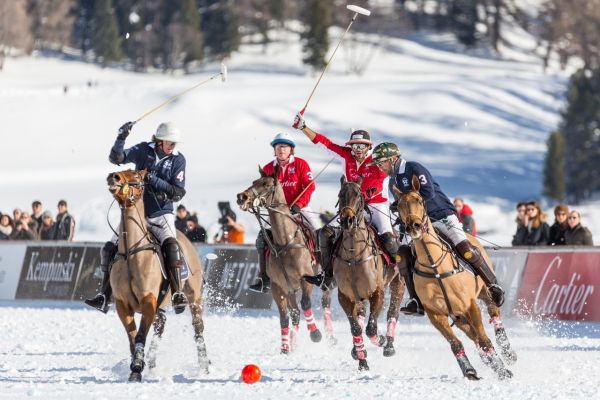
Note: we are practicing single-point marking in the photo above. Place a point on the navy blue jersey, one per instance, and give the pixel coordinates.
(437, 204)
(167, 174)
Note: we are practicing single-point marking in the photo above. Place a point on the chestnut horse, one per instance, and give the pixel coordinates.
(136, 278)
(289, 256)
(447, 289)
(361, 273)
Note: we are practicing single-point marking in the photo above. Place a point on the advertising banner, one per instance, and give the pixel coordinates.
(50, 272)
(11, 261)
(562, 285)
(90, 275)
(509, 266)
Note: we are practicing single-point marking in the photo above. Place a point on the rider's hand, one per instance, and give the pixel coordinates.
(125, 130)
(295, 209)
(150, 178)
(299, 122)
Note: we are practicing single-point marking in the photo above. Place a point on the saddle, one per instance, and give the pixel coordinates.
(309, 237)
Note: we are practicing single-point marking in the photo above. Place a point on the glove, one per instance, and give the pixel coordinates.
(299, 122)
(151, 178)
(295, 209)
(125, 130)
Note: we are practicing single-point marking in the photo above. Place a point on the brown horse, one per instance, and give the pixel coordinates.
(446, 289)
(361, 273)
(289, 256)
(136, 278)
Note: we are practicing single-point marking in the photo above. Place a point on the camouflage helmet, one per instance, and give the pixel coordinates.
(384, 151)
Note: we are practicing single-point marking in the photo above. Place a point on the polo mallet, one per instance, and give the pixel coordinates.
(222, 73)
(312, 182)
(357, 10)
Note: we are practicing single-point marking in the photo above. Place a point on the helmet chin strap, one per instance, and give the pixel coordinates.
(159, 149)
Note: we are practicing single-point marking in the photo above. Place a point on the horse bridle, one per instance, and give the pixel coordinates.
(356, 214)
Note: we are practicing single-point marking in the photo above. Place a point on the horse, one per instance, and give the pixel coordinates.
(136, 279)
(446, 289)
(360, 271)
(288, 260)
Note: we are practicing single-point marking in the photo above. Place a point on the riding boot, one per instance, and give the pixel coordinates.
(476, 260)
(263, 283)
(413, 306)
(170, 249)
(102, 300)
(390, 245)
(324, 279)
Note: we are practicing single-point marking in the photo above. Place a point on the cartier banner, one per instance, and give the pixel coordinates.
(50, 272)
(562, 285)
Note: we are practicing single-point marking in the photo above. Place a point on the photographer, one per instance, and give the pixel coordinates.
(231, 231)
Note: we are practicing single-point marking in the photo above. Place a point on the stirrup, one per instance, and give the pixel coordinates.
(413, 307)
(262, 286)
(99, 302)
(320, 280)
(497, 294)
(179, 301)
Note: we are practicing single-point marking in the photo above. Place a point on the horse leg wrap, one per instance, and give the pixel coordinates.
(359, 347)
(285, 340)
(361, 322)
(137, 360)
(391, 327)
(328, 322)
(310, 320)
(497, 322)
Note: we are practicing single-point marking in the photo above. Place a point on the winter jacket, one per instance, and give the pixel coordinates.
(47, 232)
(520, 237)
(197, 235)
(64, 227)
(372, 176)
(557, 234)
(537, 236)
(294, 178)
(466, 217)
(23, 234)
(181, 224)
(579, 236)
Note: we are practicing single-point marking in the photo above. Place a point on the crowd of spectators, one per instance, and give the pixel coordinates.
(38, 225)
(533, 228)
(187, 223)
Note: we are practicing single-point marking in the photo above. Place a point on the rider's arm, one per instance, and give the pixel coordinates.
(305, 180)
(309, 133)
(324, 140)
(174, 188)
(427, 190)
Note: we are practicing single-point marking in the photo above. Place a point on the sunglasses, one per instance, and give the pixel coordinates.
(359, 146)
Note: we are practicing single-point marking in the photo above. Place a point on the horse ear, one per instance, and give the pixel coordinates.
(359, 181)
(396, 191)
(275, 172)
(415, 183)
(343, 180)
(261, 172)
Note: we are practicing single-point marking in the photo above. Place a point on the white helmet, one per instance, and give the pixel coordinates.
(283, 138)
(167, 131)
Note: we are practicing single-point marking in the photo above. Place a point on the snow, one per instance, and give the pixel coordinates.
(478, 123)
(75, 353)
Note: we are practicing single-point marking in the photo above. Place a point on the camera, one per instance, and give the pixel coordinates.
(225, 210)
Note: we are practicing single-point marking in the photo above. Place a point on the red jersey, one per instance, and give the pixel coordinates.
(373, 176)
(294, 177)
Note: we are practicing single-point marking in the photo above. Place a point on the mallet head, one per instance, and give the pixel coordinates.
(223, 73)
(358, 10)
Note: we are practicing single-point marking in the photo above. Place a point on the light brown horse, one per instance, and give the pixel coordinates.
(289, 257)
(361, 273)
(447, 289)
(136, 278)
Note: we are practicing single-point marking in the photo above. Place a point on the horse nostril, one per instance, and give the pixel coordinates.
(417, 226)
(241, 198)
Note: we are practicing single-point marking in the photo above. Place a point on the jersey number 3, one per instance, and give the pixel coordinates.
(423, 179)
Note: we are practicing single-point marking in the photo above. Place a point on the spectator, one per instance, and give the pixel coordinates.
(195, 232)
(231, 232)
(64, 228)
(560, 225)
(577, 235)
(17, 212)
(538, 231)
(465, 216)
(182, 218)
(521, 220)
(6, 226)
(22, 231)
(32, 224)
(47, 228)
(36, 212)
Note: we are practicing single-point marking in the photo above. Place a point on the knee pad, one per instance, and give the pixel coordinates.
(261, 242)
(406, 259)
(170, 248)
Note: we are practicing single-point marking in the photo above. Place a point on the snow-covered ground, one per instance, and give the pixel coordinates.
(479, 123)
(53, 352)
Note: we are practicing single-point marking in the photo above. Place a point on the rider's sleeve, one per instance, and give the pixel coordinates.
(175, 186)
(305, 180)
(117, 153)
(427, 190)
(336, 148)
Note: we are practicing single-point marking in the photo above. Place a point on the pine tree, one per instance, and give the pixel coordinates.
(463, 17)
(318, 19)
(220, 26)
(581, 130)
(182, 40)
(105, 37)
(554, 168)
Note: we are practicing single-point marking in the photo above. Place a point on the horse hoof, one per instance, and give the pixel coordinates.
(389, 351)
(316, 336)
(179, 309)
(332, 340)
(471, 375)
(504, 374)
(362, 365)
(285, 351)
(135, 377)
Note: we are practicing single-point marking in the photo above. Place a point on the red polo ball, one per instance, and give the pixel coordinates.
(251, 374)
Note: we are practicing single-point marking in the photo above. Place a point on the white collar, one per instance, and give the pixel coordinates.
(402, 166)
(276, 163)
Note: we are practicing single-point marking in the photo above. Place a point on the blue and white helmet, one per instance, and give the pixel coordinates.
(283, 138)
